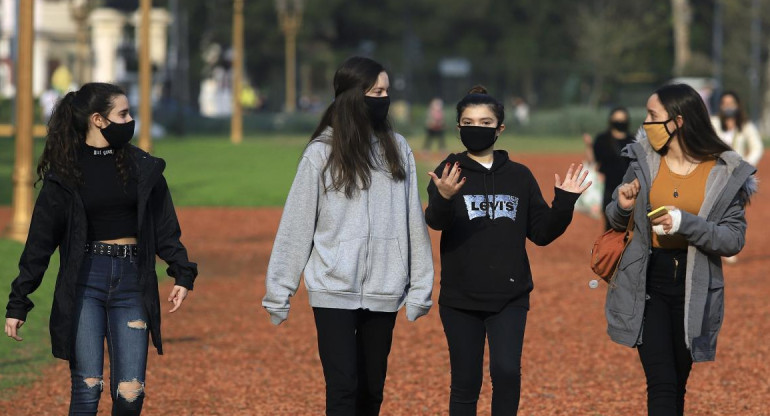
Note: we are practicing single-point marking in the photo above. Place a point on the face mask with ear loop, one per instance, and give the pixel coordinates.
(477, 138)
(658, 134)
(118, 134)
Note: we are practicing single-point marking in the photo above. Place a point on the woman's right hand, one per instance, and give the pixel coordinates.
(627, 194)
(448, 184)
(12, 326)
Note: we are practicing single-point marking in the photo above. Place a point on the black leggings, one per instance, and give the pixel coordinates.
(354, 347)
(663, 352)
(465, 333)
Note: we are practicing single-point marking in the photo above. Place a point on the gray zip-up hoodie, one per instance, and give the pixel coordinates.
(371, 251)
(718, 230)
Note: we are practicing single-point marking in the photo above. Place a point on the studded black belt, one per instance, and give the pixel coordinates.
(112, 250)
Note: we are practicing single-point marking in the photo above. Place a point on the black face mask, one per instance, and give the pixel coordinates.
(730, 112)
(118, 134)
(377, 108)
(619, 125)
(477, 138)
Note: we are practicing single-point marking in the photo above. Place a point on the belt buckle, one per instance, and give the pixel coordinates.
(117, 251)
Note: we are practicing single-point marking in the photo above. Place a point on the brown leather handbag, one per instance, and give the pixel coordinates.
(608, 250)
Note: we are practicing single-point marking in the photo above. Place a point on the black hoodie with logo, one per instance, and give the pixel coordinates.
(484, 263)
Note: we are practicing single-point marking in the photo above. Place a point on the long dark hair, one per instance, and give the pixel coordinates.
(67, 130)
(696, 137)
(478, 95)
(740, 116)
(353, 154)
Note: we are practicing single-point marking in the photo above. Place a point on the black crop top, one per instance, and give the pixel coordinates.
(110, 205)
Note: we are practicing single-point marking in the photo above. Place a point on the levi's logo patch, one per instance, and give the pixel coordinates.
(496, 206)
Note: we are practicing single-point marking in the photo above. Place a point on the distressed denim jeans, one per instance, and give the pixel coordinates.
(109, 306)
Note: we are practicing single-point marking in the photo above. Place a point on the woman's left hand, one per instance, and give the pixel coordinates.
(573, 180)
(177, 296)
(665, 220)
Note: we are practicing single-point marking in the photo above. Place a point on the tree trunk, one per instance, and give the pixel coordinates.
(765, 127)
(597, 89)
(682, 18)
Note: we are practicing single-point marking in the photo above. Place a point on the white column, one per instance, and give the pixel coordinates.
(40, 64)
(159, 21)
(106, 33)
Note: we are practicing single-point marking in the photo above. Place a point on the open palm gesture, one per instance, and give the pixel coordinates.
(573, 180)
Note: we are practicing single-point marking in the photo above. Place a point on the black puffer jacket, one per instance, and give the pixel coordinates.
(59, 220)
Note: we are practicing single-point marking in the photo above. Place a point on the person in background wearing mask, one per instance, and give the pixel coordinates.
(606, 151)
(486, 207)
(106, 206)
(667, 298)
(734, 128)
(353, 225)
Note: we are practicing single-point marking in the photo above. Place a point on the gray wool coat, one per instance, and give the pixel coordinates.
(718, 230)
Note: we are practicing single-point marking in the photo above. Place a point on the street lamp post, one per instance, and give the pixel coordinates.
(290, 19)
(145, 77)
(236, 121)
(22, 166)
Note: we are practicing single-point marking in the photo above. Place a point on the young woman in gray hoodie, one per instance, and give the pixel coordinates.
(667, 298)
(353, 223)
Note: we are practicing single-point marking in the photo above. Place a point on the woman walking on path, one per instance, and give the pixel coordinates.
(667, 298)
(487, 206)
(353, 223)
(106, 206)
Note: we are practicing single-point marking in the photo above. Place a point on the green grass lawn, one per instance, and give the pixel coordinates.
(259, 172)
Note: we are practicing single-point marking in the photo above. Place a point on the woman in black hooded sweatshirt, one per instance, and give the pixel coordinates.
(486, 207)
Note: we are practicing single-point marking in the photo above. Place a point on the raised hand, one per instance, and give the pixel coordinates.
(573, 180)
(627, 194)
(449, 183)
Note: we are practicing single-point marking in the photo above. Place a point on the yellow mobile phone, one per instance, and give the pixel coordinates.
(659, 212)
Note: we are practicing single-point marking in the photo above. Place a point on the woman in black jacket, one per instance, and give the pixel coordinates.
(107, 208)
(487, 206)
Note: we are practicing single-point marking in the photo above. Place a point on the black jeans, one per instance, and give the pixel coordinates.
(465, 333)
(354, 347)
(663, 352)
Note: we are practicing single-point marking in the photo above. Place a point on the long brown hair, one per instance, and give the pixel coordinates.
(353, 153)
(697, 137)
(67, 130)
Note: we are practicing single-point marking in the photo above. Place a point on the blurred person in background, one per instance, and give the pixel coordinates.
(606, 151)
(106, 206)
(486, 207)
(734, 128)
(434, 124)
(521, 111)
(667, 297)
(353, 224)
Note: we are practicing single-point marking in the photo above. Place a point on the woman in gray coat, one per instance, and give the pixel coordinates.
(667, 296)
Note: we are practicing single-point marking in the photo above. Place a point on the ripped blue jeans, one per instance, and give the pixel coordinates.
(109, 306)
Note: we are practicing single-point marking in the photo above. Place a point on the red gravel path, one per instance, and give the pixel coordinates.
(223, 357)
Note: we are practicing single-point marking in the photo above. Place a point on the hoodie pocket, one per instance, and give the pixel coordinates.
(349, 267)
(387, 275)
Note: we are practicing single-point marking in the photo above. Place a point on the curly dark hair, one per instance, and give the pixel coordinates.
(67, 130)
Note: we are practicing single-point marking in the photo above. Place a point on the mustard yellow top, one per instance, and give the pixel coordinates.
(685, 192)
